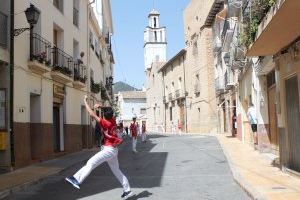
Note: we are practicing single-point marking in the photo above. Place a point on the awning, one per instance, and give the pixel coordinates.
(281, 28)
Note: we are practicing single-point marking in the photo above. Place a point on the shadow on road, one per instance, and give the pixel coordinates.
(143, 194)
(144, 170)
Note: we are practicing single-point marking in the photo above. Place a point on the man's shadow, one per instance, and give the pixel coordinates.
(143, 194)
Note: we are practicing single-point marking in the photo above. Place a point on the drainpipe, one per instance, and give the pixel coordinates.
(88, 66)
(165, 114)
(185, 96)
(11, 84)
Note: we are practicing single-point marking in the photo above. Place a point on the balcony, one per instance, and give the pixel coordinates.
(79, 75)
(165, 99)
(217, 44)
(278, 28)
(95, 87)
(228, 31)
(3, 30)
(229, 82)
(75, 17)
(234, 7)
(219, 85)
(40, 57)
(179, 94)
(63, 66)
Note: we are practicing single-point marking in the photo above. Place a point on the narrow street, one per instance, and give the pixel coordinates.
(190, 167)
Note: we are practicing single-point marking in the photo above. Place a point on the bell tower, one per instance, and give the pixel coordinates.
(155, 43)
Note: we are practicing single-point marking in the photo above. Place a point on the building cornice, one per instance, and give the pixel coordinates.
(180, 53)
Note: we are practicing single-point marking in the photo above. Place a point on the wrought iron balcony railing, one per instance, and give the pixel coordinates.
(41, 50)
(79, 72)
(62, 62)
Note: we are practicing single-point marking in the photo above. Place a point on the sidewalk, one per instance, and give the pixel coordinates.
(255, 173)
(24, 177)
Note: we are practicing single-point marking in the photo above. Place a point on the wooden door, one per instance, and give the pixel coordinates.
(182, 117)
(56, 129)
(293, 121)
(273, 131)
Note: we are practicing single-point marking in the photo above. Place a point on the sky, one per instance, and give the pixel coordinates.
(130, 19)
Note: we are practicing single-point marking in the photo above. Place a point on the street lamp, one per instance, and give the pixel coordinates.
(111, 80)
(32, 16)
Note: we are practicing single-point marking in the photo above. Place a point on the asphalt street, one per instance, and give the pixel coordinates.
(189, 167)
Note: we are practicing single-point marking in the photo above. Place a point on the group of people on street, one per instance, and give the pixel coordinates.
(109, 136)
(135, 131)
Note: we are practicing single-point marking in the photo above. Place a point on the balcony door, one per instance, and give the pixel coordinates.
(58, 132)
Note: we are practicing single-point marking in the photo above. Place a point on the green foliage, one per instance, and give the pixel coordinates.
(252, 19)
(116, 109)
(95, 87)
(104, 95)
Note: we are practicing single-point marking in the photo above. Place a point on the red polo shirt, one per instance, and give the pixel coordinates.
(109, 127)
(133, 130)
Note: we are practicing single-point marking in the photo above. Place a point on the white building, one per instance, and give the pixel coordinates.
(51, 78)
(132, 103)
(155, 55)
(155, 43)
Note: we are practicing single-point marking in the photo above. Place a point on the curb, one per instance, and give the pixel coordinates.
(23, 186)
(239, 179)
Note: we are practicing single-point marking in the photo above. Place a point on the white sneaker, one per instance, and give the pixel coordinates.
(126, 195)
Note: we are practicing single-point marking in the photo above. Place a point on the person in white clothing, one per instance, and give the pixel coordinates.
(133, 131)
(144, 137)
(251, 114)
(108, 154)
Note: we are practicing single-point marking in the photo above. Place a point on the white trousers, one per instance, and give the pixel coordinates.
(110, 155)
(134, 140)
(144, 137)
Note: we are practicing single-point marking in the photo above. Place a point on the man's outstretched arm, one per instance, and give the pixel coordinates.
(90, 111)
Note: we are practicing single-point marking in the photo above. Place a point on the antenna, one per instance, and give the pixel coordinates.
(153, 4)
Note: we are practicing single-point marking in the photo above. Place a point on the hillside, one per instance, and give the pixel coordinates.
(121, 86)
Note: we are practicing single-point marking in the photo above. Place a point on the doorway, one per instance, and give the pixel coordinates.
(182, 117)
(273, 132)
(293, 119)
(56, 128)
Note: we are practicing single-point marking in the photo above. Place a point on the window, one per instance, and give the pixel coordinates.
(143, 111)
(59, 4)
(75, 16)
(92, 74)
(157, 58)
(92, 40)
(3, 31)
(154, 22)
(155, 36)
(271, 79)
(97, 49)
(171, 117)
(195, 48)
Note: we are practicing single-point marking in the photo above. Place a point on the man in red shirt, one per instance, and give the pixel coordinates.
(108, 154)
(133, 131)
